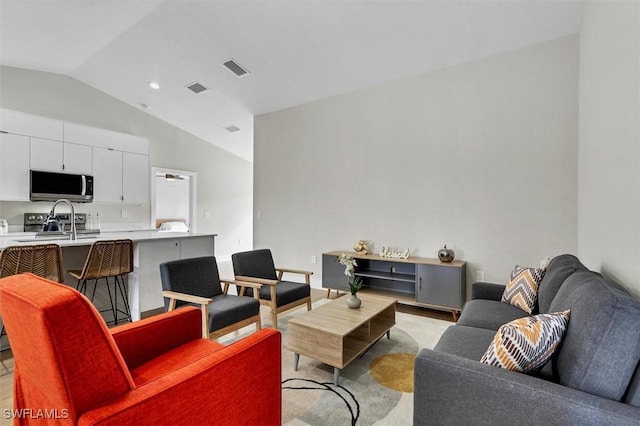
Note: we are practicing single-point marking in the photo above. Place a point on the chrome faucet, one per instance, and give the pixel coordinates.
(74, 235)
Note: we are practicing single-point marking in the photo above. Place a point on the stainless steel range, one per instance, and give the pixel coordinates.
(34, 222)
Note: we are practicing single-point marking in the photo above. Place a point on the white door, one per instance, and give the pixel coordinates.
(14, 167)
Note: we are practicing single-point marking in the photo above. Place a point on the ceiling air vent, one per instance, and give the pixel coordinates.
(231, 128)
(196, 87)
(235, 67)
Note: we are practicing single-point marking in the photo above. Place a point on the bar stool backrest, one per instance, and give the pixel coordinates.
(44, 260)
(108, 259)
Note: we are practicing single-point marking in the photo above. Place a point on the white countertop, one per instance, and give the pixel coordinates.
(29, 238)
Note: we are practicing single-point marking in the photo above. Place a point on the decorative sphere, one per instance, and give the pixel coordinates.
(445, 254)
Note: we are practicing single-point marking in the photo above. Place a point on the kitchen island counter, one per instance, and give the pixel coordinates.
(29, 238)
(150, 249)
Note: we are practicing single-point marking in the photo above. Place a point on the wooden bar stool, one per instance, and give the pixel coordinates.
(43, 260)
(108, 259)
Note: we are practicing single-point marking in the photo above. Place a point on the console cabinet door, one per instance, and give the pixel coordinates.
(333, 276)
(14, 167)
(440, 286)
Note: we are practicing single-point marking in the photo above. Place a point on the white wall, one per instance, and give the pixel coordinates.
(224, 180)
(609, 147)
(481, 156)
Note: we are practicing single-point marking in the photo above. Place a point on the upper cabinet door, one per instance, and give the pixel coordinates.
(135, 178)
(30, 125)
(14, 167)
(78, 159)
(47, 155)
(107, 175)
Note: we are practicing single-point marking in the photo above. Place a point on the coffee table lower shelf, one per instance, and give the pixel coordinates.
(336, 335)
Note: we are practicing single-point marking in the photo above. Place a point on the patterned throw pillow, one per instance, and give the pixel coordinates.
(526, 344)
(522, 289)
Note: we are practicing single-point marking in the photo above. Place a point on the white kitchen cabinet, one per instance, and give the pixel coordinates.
(47, 155)
(78, 159)
(14, 167)
(147, 259)
(103, 138)
(120, 177)
(21, 123)
(56, 156)
(135, 178)
(150, 255)
(107, 175)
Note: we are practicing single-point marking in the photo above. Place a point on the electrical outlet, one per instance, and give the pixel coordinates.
(480, 276)
(207, 214)
(123, 213)
(314, 260)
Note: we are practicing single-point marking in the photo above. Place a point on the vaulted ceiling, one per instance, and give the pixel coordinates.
(296, 51)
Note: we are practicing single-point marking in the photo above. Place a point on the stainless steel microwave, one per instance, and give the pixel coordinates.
(50, 186)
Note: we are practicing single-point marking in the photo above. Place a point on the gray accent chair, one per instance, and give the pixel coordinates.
(257, 266)
(196, 282)
(593, 379)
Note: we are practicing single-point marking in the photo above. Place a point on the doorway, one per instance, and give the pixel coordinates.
(173, 196)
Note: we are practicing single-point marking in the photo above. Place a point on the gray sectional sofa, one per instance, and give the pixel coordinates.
(593, 378)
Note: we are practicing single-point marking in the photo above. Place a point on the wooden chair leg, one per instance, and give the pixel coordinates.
(205, 321)
(328, 293)
(309, 304)
(274, 307)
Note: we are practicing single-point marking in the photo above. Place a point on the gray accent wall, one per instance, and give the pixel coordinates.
(609, 148)
(482, 157)
(224, 180)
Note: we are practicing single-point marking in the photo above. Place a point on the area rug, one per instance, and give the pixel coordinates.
(376, 388)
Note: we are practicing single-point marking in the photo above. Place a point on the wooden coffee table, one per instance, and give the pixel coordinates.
(336, 335)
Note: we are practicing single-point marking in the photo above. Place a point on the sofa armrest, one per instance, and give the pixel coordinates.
(454, 390)
(237, 384)
(489, 291)
(144, 340)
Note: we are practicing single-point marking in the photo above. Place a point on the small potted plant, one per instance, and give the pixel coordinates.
(355, 283)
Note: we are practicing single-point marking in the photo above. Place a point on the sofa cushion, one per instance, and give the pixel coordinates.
(488, 314)
(633, 392)
(522, 288)
(526, 344)
(466, 342)
(601, 347)
(559, 268)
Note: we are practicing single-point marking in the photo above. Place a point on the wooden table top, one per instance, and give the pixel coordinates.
(337, 318)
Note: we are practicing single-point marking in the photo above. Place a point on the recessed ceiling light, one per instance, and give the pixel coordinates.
(154, 85)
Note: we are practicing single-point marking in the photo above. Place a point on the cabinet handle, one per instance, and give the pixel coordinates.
(419, 283)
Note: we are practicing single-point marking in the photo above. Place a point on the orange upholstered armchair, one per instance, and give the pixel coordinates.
(71, 368)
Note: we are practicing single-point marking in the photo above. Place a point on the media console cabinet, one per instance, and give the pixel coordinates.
(416, 281)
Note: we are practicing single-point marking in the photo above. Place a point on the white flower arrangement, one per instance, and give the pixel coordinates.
(355, 283)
